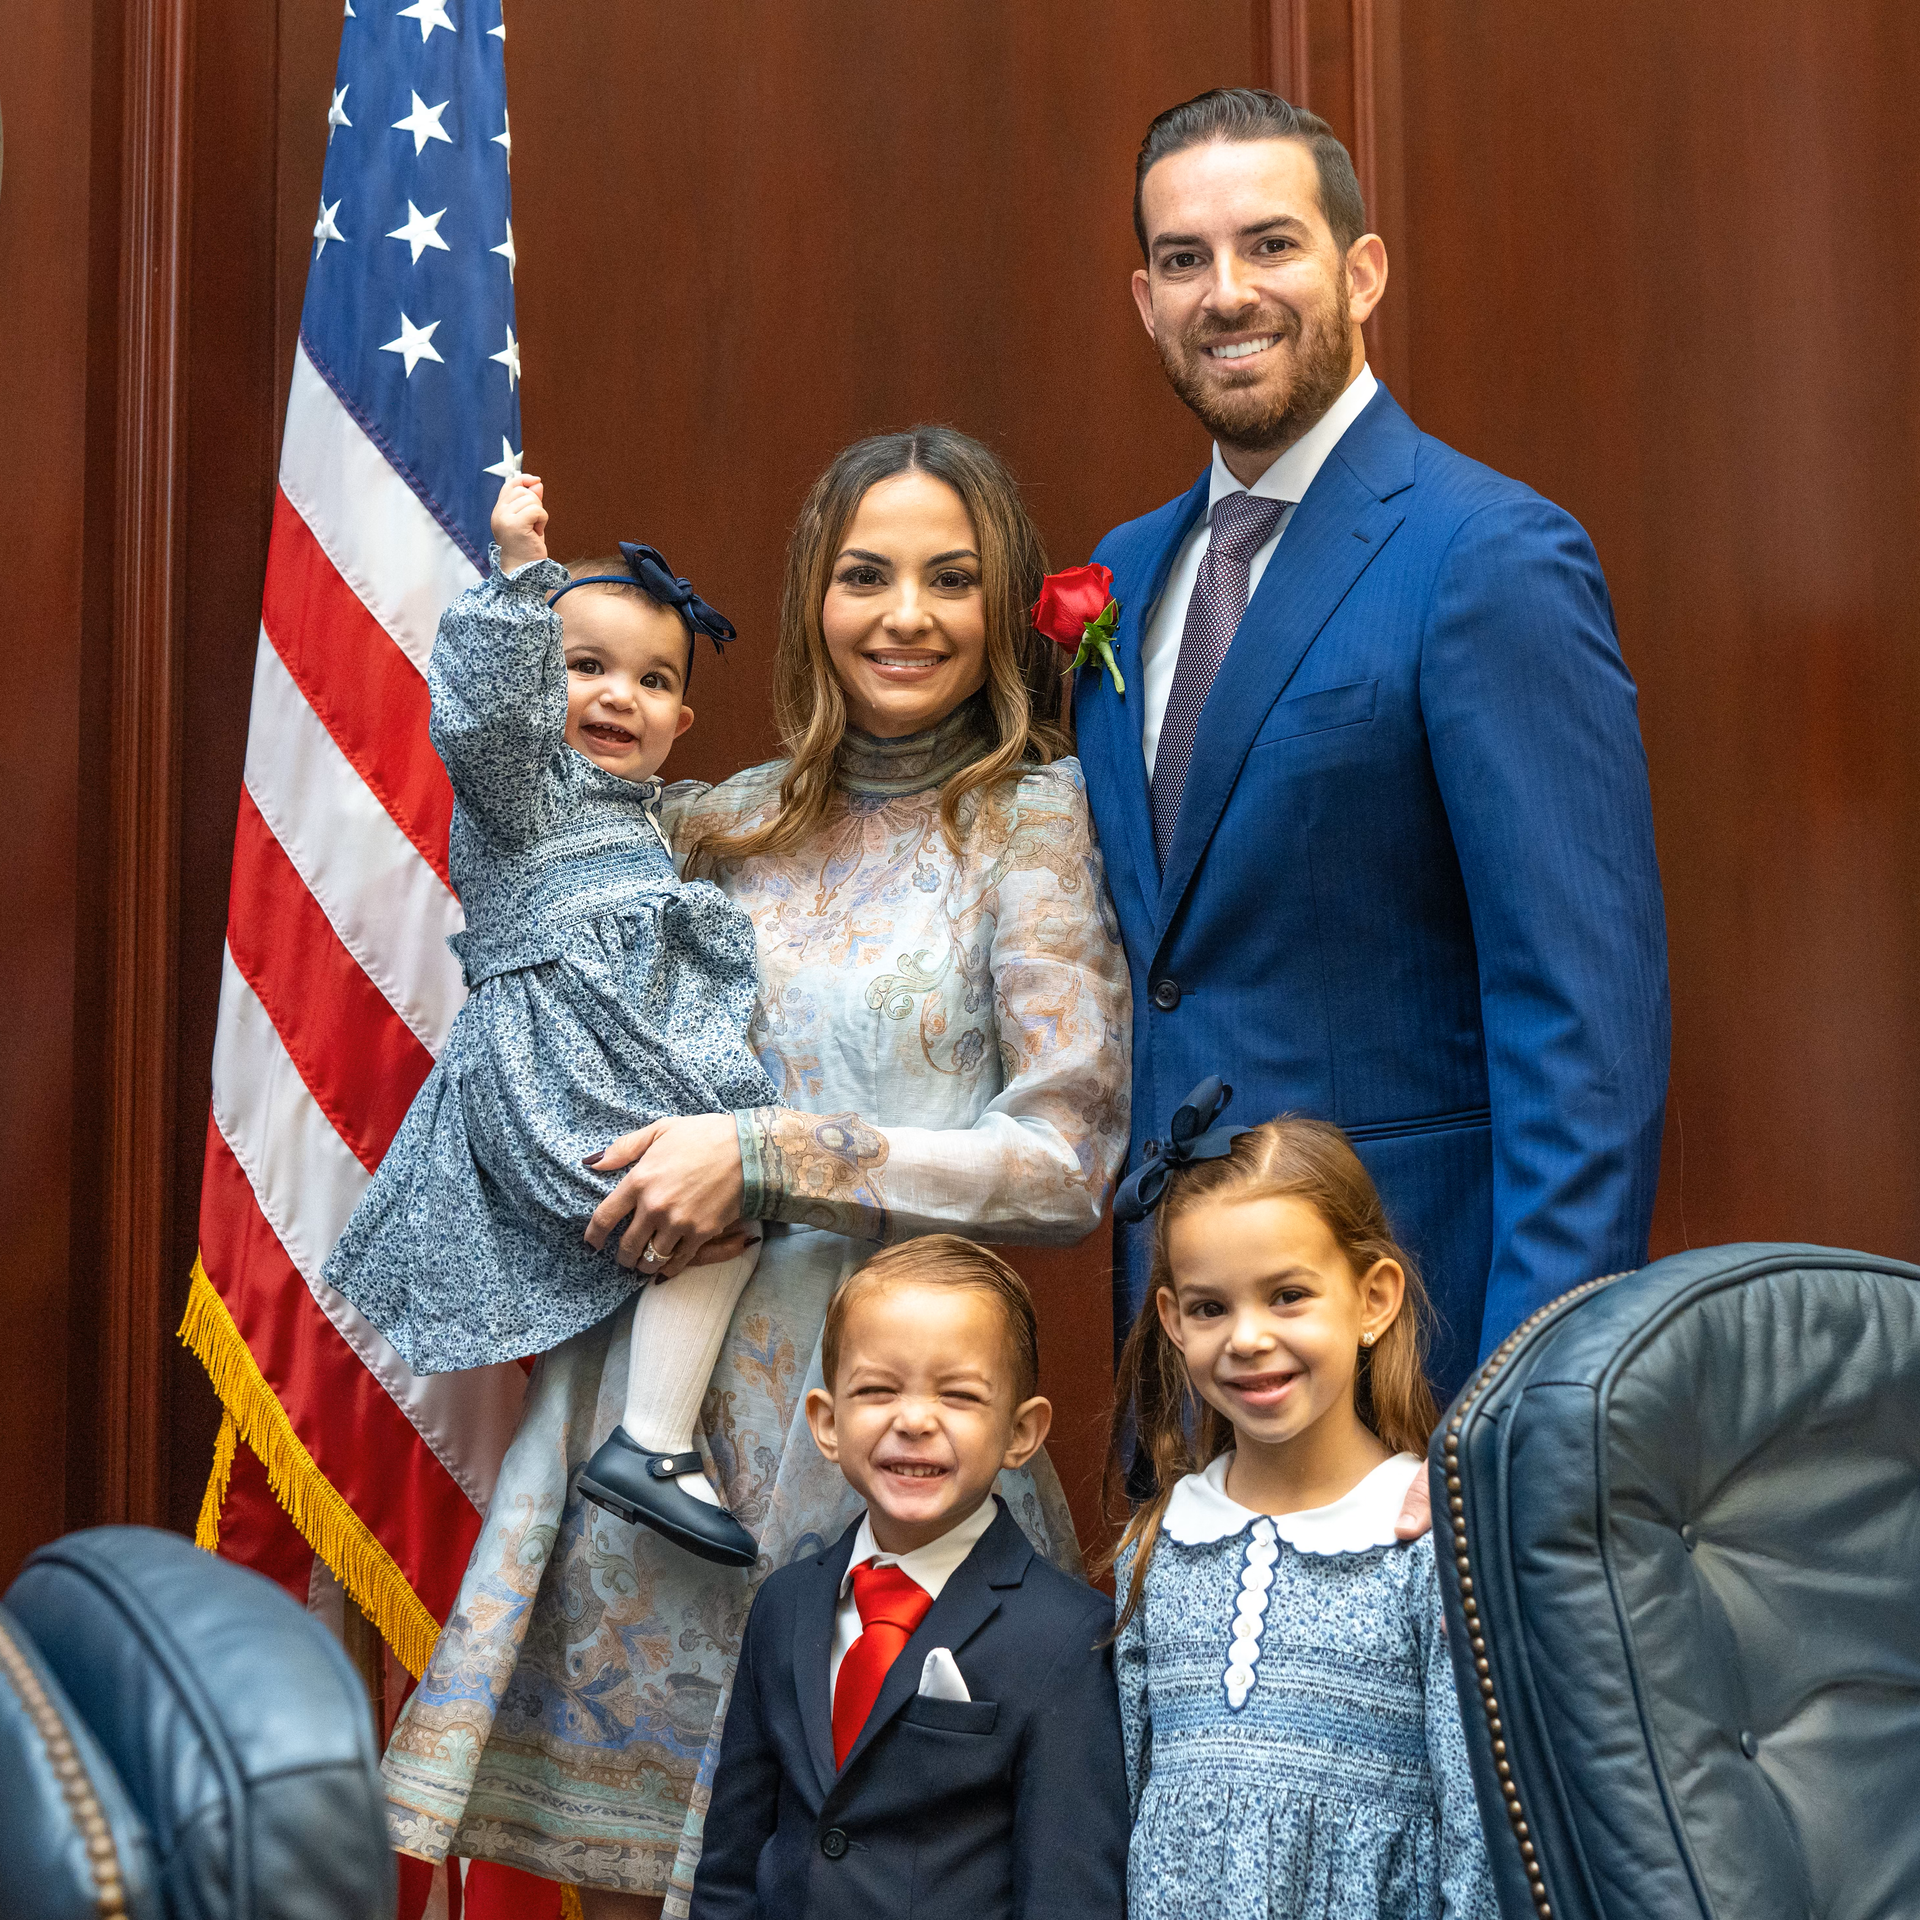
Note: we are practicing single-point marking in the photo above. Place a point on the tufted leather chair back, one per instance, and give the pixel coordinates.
(180, 1741)
(1679, 1515)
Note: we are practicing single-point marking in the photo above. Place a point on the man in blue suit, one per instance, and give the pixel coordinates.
(1374, 803)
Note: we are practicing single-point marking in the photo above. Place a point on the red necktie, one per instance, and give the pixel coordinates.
(891, 1605)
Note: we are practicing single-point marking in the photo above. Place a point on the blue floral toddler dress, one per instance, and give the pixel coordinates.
(604, 993)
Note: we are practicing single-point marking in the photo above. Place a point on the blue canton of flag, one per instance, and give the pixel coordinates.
(409, 310)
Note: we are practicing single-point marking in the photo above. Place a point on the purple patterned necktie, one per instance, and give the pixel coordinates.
(1242, 525)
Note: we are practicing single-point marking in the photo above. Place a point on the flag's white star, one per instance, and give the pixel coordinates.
(423, 122)
(324, 229)
(421, 232)
(337, 113)
(351, 15)
(415, 344)
(504, 138)
(509, 357)
(430, 14)
(509, 462)
(506, 247)
(499, 32)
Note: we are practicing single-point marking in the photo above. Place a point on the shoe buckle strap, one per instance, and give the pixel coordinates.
(670, 1466)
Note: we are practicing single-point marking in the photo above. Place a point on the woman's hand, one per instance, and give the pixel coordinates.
(683, 1188)
(1416, 1513)
(520, 521)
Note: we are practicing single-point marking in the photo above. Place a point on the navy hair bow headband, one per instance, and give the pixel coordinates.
(647, 569)
(1191, 1136)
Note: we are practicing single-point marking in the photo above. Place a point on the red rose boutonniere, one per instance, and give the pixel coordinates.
(1077, 609)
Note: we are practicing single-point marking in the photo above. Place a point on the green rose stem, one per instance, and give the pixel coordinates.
(1097, 638)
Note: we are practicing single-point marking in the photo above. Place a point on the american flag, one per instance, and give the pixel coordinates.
(338, 987)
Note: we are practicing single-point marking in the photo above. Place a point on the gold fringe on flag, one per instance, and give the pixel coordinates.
(328, 1524)
(570, 1908)
(206, 1532)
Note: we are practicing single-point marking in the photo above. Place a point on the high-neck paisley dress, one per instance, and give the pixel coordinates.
(948, 1034)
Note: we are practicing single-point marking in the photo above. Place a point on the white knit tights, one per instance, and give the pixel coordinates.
(678, 1327)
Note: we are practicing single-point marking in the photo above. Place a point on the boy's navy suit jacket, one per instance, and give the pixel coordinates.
(1013, 1803)
(1412, 886)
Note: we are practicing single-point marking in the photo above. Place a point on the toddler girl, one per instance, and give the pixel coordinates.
(1293, 1737)
(604, 993)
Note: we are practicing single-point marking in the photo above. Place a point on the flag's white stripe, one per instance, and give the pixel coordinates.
(391, 910)
(307, 1181)
(374, 528)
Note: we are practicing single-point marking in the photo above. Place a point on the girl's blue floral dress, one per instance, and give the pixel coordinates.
(1293, 1737)
(604, 992)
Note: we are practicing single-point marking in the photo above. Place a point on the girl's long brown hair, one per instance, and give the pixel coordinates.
(1177, 1431)
(1024, 670)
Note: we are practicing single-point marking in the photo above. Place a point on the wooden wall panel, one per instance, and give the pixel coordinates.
(51, 726)
(234, 394)
(1660, 266)
(134, 1178)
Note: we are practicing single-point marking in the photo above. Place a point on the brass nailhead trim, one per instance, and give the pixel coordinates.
(109, 1890)
(1470, 1606)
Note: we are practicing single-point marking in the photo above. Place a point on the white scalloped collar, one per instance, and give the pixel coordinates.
(1200, 1511)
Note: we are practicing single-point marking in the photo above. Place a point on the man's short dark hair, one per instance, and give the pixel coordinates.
(1252, 113)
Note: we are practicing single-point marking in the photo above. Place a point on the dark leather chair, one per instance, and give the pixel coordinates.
(1679, 1531)
(180, 1741)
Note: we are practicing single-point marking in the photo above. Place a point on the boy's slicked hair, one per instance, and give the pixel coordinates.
(942, 1260)
(1252, 113)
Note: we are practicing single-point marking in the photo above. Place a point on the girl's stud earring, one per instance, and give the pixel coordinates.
(1366, 1339)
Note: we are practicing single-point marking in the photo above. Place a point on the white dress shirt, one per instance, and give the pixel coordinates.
(931, 1567)
(1287, 479)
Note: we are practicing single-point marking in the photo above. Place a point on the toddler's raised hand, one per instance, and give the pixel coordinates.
(520, 521)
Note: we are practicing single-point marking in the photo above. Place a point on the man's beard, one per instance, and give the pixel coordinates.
(1255, 418)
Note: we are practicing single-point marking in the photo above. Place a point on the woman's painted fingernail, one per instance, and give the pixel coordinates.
(593, 1159)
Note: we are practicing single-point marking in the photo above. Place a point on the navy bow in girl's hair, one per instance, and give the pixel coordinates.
(1191, 1136)
(647, 569)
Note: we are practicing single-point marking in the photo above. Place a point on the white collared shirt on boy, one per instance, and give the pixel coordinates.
(930, 1567)
(1287, 479)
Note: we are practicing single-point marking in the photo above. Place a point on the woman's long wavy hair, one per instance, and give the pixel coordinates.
(1177, 1431)
(1024, 669)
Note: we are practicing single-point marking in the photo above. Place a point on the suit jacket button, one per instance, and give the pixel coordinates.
(1166, 995)
(833, 1843)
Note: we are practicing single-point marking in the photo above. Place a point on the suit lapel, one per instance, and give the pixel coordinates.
(966, 1603)
(1332, 539)
(813, 1620)
(1126, 766)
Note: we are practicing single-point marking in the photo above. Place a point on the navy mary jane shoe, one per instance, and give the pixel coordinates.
(639, 1486)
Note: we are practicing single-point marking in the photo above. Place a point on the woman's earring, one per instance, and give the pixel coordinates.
(1366, 1339)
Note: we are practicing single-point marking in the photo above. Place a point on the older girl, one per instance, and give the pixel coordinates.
(1293, 1737)
(944, 1012)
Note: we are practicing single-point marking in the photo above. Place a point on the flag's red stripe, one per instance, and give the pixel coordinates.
(360, 1060)
(256, 1531)
(369, 695)
(359, 1438)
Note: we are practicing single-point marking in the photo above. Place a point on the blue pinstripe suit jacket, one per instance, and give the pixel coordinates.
(1412, 887)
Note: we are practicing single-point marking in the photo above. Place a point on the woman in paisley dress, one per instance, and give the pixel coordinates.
(944, 1011)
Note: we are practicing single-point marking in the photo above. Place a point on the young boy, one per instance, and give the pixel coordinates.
(924, 1720)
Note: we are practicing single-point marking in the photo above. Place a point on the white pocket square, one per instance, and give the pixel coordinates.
(940, 1678)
